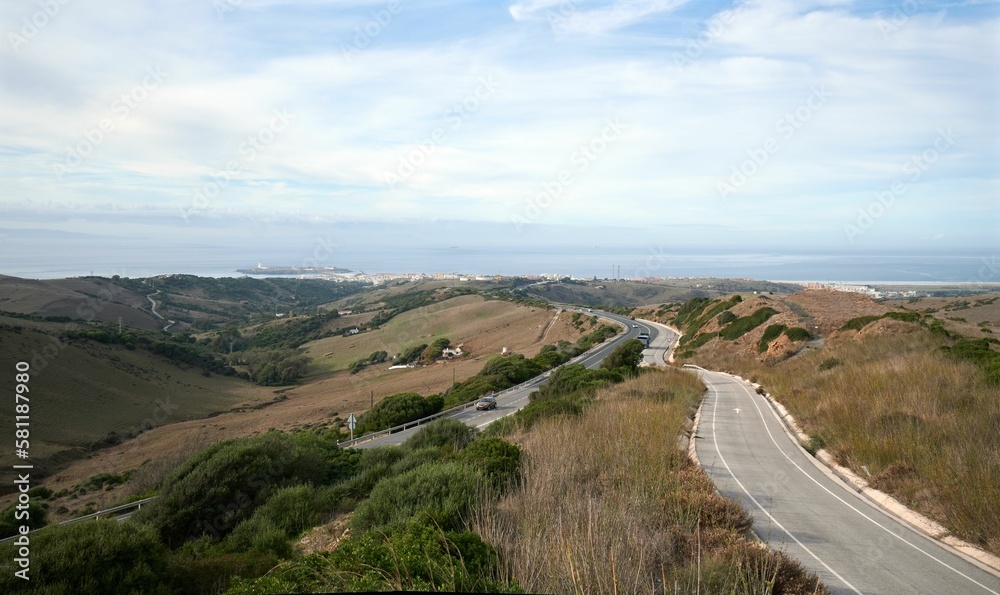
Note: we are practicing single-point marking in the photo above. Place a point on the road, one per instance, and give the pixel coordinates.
(801, 509)
(512, 401)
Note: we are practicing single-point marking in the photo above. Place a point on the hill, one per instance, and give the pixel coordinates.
(319, 402)
(633, 294)
(905, 396)
(88, 395)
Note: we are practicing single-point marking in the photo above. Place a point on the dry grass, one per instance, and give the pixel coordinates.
(921, 426)
(318, 403)
(608, 503)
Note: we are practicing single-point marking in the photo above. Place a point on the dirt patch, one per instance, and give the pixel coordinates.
(324, 538)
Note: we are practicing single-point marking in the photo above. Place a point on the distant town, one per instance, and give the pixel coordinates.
(338, 274)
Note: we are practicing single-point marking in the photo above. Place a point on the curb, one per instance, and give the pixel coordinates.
(887, 503)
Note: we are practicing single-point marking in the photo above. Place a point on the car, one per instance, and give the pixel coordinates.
(635, 326)
(486, 403)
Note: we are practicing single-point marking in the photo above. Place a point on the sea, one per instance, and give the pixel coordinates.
(56, 258)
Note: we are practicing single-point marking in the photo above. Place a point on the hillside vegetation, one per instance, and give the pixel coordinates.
(900, 397)
(608, 503)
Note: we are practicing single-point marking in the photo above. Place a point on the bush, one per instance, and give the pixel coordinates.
(573, 378)
(222, 485)
(745, 324)
(9, 524)
(625, 358)
(286, 514)
(856, 324)
(443, 432)
(725, 318)
(499, 460)
(398, 409)
(771, 333)
(417, 556)
(99, 556)
(798, 334)
(443, 492)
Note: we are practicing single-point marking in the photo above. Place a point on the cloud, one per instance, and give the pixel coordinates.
(568, 16)
(202, 140)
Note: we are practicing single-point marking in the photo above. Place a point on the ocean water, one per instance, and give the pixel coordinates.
(61, 257)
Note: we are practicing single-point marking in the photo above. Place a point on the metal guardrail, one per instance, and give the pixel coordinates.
(94, 515)
(136, 505)
(466, 406)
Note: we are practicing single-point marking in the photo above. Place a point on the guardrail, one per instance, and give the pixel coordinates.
(438, 415)
(466, 406)
(94, 515)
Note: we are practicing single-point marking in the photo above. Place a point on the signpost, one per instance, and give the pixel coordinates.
(351, 422)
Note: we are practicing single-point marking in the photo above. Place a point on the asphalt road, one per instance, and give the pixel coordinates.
(798, 508)
(512, 401)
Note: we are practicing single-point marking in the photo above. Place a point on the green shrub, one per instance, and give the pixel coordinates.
(410, 355)
(572, 378)
(443, 492)
(497, 459)
(417, 556)
(416, 458)
(211, 574)
(978, 351)
(442, 432)
(725, 318)
(9, 523)
(745, 324)
(771, 333)
(797, 333)
(398, 409)
(286, 514)
(625, 358)
(856, 324)
(222, 485)
(99, 556)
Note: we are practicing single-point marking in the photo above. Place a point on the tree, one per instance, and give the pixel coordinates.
(625, 358)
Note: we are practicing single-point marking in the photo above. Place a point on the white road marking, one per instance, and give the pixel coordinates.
(715, 407)
(876, 523)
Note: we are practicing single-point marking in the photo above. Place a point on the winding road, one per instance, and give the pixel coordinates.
(511, 401)
(801, 508)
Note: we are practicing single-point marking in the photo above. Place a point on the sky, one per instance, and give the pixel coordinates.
(836, 125)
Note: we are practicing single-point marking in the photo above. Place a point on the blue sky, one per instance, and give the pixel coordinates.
(832, 124)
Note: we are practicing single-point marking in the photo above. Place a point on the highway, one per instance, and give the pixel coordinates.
(509, 403)
(800, 508)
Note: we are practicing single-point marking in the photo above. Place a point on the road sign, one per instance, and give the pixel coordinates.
(351, 422)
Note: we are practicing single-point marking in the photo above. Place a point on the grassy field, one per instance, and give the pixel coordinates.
(470, 320)
(609, 503)
(83, 391)
(323, 400)
(887, 402)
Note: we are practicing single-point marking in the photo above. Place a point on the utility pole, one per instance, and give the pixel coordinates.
(372, 404)
(119, 325)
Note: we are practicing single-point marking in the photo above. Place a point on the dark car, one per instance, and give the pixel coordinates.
(486, 403)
